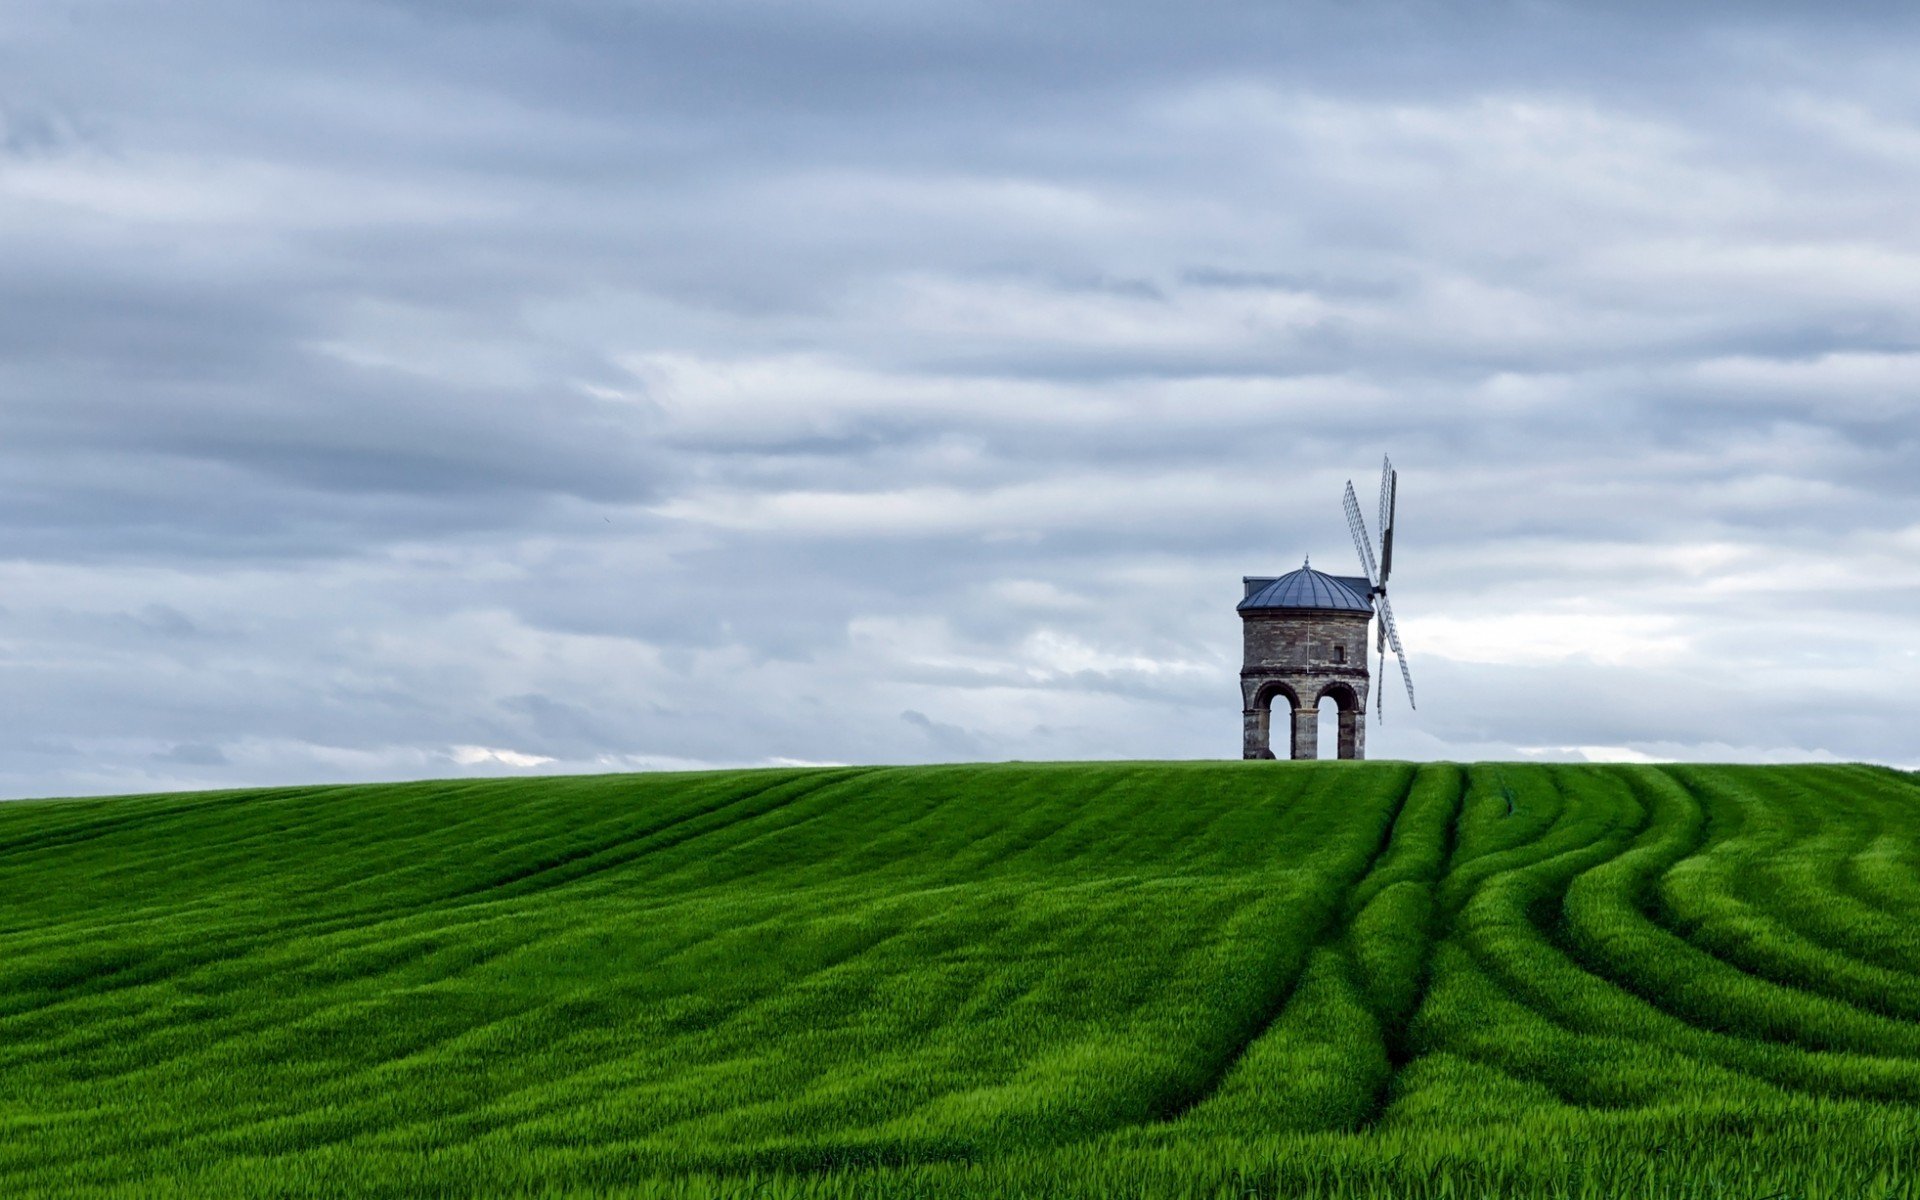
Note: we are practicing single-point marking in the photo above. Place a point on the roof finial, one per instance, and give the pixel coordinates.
(1308, 564)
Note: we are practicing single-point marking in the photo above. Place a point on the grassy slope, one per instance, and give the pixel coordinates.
(1338, 979)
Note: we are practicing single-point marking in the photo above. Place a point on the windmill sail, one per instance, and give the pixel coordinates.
(1357, 524)
(1393, 638)
(1378, 571)
(1389, 497)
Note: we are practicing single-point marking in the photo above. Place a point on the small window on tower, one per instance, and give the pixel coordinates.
(1339, 654)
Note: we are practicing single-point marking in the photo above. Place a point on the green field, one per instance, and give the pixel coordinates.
(1233, 979)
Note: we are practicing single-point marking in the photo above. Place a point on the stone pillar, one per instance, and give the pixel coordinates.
(1353, 734)
(1306, 733)
(1256, 723)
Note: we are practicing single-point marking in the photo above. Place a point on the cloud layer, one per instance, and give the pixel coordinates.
(422, 389)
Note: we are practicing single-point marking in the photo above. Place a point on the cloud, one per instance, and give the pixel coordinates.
(473, 756)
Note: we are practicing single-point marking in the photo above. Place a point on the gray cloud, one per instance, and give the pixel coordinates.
(422, 389)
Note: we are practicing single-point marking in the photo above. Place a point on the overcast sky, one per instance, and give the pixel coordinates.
(398, 390)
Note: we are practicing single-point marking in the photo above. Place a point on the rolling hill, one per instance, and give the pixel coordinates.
(1205, 979)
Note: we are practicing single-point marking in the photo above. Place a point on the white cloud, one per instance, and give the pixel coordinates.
(472, 756)
(1509, 638)
(1613, 754)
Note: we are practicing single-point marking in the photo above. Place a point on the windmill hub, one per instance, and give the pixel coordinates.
(1306, 641)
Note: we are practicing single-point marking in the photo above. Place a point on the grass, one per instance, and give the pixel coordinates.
(1209, 980)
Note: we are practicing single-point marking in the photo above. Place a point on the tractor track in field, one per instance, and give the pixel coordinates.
(1767, 932)
(1645, 901)
(1545, 847)
(1328, 933)
(1802, 1069)
(598, 857)
(1544, 918)
(80, 832)
(634, 844)
(1648, 903)
(1674, 1030)
(1846, 876)
(1396, 1028)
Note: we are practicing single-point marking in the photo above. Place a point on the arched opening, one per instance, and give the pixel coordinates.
(1271, 716)
(1342, 731)
(1329, 720)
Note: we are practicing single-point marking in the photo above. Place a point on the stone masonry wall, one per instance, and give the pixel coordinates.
(1295, 639)
(1305, 652)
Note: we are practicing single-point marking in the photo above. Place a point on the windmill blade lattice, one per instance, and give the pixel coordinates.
(1378, 571)
(1393, 639)
(1357, 525)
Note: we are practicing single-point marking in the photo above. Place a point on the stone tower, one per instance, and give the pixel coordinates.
(1306, 639)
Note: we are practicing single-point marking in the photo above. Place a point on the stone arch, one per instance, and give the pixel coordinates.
(1352, 741)
(1273, 689)
(1258, 716)
(1341, 693)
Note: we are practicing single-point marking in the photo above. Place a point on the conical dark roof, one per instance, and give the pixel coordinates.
(1308, 588)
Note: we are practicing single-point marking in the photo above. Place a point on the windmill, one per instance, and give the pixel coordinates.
(1304, 639)
(1377, 573)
